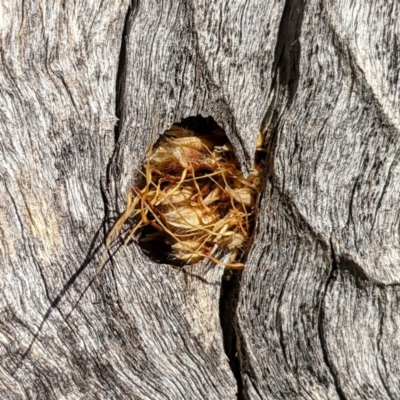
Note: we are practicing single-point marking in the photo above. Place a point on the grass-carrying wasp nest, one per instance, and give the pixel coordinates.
(193, 197)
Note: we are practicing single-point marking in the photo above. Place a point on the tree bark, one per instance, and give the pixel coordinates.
(87, 88)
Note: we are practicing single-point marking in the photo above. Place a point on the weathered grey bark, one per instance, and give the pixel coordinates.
(317, 310)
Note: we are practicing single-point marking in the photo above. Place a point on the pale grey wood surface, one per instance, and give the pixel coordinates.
(318, 311)
(317, 314)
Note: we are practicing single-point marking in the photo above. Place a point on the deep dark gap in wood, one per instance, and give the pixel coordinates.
(121, 76)
(112, 168)
(228, 303)
(286, 65)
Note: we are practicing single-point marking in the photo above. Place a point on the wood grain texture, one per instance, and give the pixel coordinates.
(208, 58)
(189, 66)
(57, 76)
(317, 314)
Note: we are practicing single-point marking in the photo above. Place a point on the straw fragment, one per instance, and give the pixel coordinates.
(194, 196)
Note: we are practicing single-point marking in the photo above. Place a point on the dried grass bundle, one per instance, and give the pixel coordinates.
(193, 197)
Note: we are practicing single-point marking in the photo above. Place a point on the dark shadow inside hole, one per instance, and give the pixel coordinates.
(157, 250)
(203, 126)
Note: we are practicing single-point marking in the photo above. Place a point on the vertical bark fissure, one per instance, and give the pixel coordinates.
(112, 170)
(230, 288)
(121, 76)
(285, 79)
(286, 66)
(285, 74)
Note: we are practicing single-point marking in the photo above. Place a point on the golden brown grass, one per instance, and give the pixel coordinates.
(194, 197)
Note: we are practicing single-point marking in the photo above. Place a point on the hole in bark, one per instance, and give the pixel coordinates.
(191, 198)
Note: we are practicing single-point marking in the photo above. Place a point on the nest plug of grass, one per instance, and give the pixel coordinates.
(192, 198)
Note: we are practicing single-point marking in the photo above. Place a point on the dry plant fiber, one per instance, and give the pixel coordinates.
(193, 198)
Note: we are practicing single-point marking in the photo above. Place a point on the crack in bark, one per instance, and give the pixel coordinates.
(121, 76)
(230, 287)
(285, 80)
(285, 74)
(112, 169)
(287, 51)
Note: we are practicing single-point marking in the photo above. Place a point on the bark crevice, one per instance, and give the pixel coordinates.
(121, 76)
(109, 189)
(286, 65)
(230, 288)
